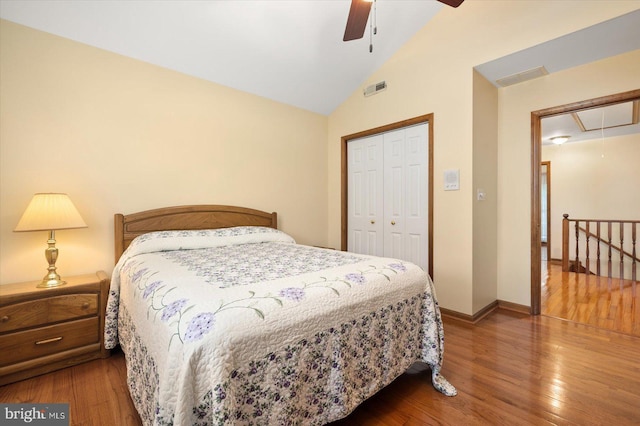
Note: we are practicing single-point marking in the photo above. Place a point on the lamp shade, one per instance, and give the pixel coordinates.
(48, 212)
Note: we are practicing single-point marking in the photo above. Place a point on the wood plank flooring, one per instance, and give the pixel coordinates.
(588, 299)
(509, 369)
(96, 391)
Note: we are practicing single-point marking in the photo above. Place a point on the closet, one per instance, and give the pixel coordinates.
(388, 194)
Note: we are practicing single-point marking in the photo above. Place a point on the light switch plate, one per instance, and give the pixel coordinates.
(452, 180)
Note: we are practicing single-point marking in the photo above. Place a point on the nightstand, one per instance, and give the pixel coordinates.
(45, 329)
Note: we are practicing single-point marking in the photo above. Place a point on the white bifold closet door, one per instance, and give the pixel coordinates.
(388, 195)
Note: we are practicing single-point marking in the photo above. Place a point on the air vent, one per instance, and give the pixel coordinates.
(521, 76)
(375, 88)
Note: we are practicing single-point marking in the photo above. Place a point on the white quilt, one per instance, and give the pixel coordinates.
(243, 326)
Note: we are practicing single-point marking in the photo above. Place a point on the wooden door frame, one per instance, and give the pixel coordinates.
(344, 168)
(547, 164)
(536, 148)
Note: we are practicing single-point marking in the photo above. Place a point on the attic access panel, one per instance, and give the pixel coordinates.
(623, 114)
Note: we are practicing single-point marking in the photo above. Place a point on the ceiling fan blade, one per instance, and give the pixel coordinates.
(357, 20)
(452, 3)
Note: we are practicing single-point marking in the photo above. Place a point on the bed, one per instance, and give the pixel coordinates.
(224, 319)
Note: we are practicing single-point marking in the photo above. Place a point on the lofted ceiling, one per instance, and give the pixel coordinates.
(290, 51)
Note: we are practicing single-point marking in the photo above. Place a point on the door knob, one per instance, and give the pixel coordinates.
(393, 222)
(373, 221)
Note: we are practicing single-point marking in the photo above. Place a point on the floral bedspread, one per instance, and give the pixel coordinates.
(243, 326)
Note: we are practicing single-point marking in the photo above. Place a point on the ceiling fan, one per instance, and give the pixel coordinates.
(359, 15)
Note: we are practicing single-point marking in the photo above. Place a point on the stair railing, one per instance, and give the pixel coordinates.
(607, 240)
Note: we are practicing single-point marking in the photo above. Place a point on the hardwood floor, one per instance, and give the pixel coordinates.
(96, 392)
(590, 299)
(509, 369)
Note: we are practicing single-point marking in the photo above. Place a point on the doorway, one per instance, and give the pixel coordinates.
(536, 177)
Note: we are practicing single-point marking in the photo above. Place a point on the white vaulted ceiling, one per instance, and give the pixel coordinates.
(290, 51)
(286, 50)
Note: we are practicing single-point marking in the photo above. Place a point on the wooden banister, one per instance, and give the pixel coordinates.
(613, 246)
(565, 243)
(606, 240)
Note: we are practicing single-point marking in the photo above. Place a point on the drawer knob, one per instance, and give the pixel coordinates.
(4, 318)
(85, 305)
(52, 340)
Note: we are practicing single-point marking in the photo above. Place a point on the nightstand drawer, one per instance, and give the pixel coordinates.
(21, 346)
(46, 311)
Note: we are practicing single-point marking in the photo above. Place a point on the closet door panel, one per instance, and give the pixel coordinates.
(416, 220)
(415, 252)
(394, 245)
(365, 183)
(394, 194)
(356, 181)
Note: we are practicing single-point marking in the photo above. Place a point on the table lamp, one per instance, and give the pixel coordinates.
(50, 212)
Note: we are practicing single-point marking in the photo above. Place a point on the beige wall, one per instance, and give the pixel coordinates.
(433, 73)
(485, 180)
(119, 136)
(594, 179)
(614, 75)
(189, 141)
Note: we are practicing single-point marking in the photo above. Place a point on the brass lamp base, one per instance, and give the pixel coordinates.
(51, 280)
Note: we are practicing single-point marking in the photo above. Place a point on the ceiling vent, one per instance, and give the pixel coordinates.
(521, 76)
(375, 88)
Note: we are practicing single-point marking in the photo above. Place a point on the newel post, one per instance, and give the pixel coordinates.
(565, 243)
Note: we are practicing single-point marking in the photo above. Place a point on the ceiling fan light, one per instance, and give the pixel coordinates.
(559, 140)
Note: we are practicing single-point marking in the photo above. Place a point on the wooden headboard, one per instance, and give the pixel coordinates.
(127, 227)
